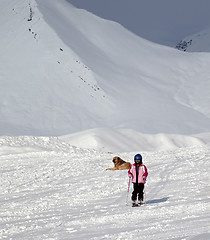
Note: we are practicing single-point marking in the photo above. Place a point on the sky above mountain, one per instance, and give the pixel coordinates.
(163, 21)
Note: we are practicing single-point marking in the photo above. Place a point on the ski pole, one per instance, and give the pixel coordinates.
(144, 195)
(128, 190)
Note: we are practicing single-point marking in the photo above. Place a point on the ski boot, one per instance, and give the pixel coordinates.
(134, 204)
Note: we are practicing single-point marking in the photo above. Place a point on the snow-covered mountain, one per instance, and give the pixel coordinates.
(65, 70)
(45, 88)
(198, 42)
(164, 22)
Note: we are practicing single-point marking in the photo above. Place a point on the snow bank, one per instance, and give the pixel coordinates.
(127, 140)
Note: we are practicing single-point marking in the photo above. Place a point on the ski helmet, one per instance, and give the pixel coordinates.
(138, 158)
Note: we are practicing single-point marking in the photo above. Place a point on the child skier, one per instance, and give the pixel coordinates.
(138, 172)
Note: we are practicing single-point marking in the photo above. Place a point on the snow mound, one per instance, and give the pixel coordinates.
(128, 140)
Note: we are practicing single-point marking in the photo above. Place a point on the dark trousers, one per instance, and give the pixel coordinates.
(138, 189)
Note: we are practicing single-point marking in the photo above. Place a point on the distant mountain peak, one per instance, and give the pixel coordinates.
(198, 42)
(183, 45)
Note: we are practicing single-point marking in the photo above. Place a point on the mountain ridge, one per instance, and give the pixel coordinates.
(67, 71)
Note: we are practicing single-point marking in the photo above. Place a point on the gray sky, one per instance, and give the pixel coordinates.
(161, 21)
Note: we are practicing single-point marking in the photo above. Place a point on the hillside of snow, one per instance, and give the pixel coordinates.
(51, 190)
(45, 88)
(64, 70)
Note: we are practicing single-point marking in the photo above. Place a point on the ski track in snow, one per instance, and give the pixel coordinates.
(51, 190)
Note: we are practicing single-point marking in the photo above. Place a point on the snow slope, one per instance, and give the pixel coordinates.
(64, 70)
(42, 87)
(51, 190)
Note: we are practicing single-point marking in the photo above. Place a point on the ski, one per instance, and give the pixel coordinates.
(136, 205)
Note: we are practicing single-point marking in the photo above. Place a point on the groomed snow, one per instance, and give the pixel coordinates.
(51, 190)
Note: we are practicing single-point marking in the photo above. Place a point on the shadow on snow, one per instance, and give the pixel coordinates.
(165, 199)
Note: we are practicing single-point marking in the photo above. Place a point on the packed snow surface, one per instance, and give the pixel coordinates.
(51, 190)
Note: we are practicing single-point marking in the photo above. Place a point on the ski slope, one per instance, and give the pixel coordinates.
(105, 91)
(52, 190)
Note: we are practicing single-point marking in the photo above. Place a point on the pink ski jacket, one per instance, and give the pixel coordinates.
(142, 173)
